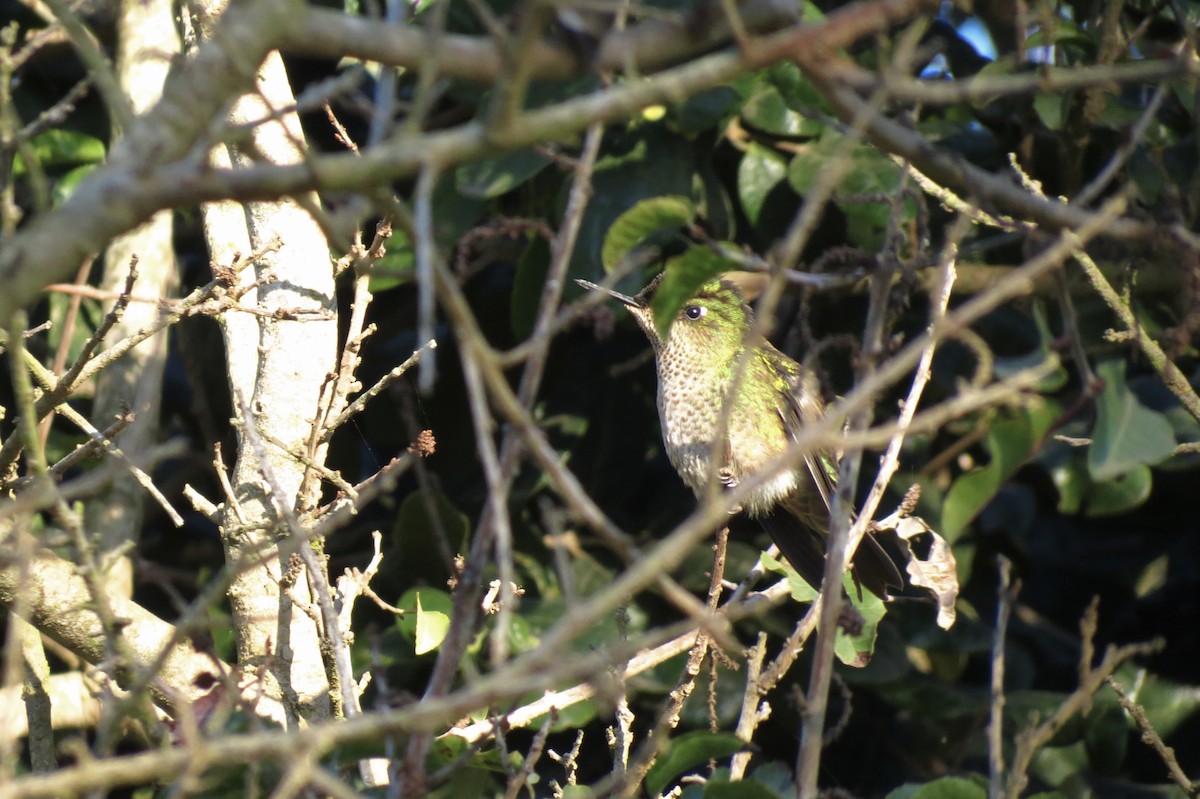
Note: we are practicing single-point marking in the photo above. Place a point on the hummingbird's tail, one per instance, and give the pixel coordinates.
(804, 548)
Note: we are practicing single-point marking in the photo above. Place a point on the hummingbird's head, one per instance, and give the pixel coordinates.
(709, 327)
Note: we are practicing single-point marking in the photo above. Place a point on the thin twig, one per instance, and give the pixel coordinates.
(1005, 596)
(1171, 375)
(1151, 737)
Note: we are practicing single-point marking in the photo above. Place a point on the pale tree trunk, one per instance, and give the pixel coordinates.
(278, 364)
(147, 40)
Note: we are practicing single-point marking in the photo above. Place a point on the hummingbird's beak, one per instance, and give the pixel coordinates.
(623, 298)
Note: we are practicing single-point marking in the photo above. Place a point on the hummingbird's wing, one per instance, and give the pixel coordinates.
(873, 567)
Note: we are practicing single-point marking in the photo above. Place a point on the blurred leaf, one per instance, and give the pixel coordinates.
(937, 702)
(777, 777)
(431, 628)
(424, 514)
(686, 752)
(61, 147)
(1127, 434)
(1121, 494)
(1023, 705)
(714, 204)
(868, 170)
(454, 213)
(446, 749)
(1010, 442)
(704, 110)
(799, 92)
(942, 788)
(85, 322)
(864, 184)
(590, 574)
(500, 175)
(1050, 109)
(521, 635)
(1060, 766)
(219, 625)
(760, 170)
(643, 220)
(65, 186)
(426, 619)
(1009, 366)
(1168, 704)
(469, 780)
(683, 276)
(743, 789)
(767, 111)
(397, 265)
(1107, 736)
(1079, 493)
(528, 284)
(647, 162)
(571, 717)
(1147, 174)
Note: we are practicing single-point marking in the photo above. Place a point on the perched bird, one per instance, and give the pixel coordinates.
(774, 398)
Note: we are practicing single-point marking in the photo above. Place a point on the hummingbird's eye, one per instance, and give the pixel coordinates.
(695, 311)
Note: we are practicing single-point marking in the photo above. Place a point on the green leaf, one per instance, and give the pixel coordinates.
(84, 326)
(777, 777)
(684, 275)
(528, 284)
(454, 213)
(521, 635)
(1050, 109)
(431, 629)
(426, 618)
(854, 651)
(1127, 433)
(767, 111)
(60, 147)
(1060, 766)
(869, 171)
(1107, 737)
(760, 170)
(942, 788)
(868, 174)
(1121, 494)
(1078, 492)
(642, 163)
(686, 752)
(798, 587)
(1010, 442)
(397, 266)
(743, 789)
(1168, 705)
(496, 176)
(65, 186)
(713, 202)
(1008, 367)
(642, 221)
(794, 85)
(704, 110)
(422, 516)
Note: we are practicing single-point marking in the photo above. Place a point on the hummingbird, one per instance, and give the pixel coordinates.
(773, 399)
